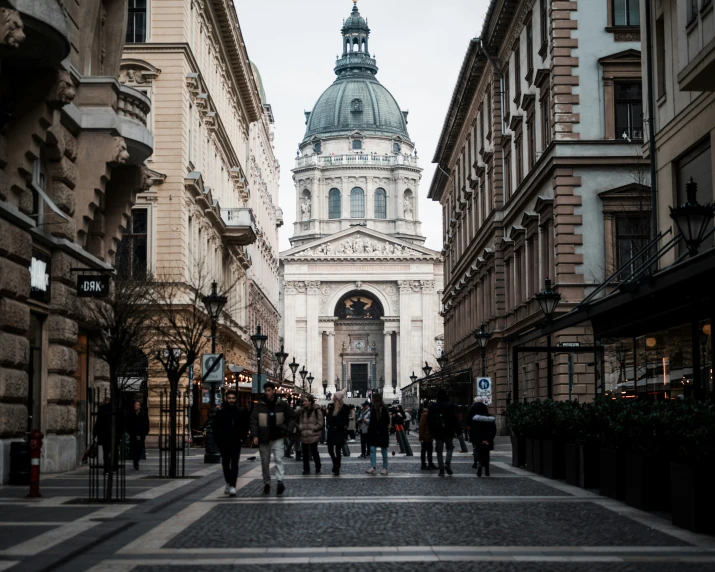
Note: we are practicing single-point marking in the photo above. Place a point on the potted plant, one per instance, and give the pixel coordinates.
(587, 435)
(612, 480)
(515, 415)
(558, 421)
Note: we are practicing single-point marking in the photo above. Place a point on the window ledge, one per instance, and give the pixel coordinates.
(690, 26)
(543, 50)
(662, 99)
(706, 8)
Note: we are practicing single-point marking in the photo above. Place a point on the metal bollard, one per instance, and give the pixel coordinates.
(35, 452)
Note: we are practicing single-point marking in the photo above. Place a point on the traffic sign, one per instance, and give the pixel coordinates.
(213, 367)
(484, 389)
(191, 373)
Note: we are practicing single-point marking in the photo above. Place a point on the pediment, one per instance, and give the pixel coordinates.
(361, 243)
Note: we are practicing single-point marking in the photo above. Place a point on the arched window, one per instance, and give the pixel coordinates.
(395, 148)
(317, 147)
(357, 203)
(357, 144)
(334, 204)
(380, 203)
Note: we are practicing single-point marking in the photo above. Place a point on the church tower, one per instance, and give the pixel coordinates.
(360, 293)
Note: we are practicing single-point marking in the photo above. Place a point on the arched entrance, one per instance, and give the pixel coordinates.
(358, 332)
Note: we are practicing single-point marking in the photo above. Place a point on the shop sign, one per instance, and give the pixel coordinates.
(569, 344)
(92, 286)
(484, 389)
(40, 276)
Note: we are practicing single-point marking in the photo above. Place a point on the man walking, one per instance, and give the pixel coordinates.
(271, 420)
(443, 425)
(138, 429)
(230, 427)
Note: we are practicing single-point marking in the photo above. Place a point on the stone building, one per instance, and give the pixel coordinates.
(213, 208)
(72, 144)
(540, 176)
(360, 292)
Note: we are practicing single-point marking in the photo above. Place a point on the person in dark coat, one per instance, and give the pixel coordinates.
(230, 427)
(138, 429)
(102, 432)
(336, 420)
(378, 433)
(483, 429)
(444, 427)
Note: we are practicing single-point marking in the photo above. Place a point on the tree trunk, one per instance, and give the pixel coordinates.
(174, 386)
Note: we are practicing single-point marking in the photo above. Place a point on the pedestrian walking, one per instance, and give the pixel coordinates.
(138, 429)
(378, 433)
(426, 440)
(483, 429)
(408, 420)
(444, 427)
(230, 427)
(352, 424)
(363, 423)
(310, 427)
(102, 433)
(337, 421)
(271, 420)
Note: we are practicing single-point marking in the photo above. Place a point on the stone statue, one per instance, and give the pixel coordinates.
(407, 207)
(147, 180)
(328, 249)
(12, 30)
(359, 245)
(121, 155)
(305, 209)
(64, 91)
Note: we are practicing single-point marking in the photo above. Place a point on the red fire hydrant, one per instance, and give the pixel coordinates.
(36, 450)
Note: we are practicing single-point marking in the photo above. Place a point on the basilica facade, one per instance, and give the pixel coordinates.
(360, 295)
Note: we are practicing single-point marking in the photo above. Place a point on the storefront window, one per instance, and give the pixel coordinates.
(706, 361)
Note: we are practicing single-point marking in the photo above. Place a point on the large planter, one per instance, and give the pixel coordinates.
(552, 459)
(589, 474)
(518, 450)
(613, 474)
(647, 482)
(529, 453)
(538, 451)
(692, 497)
(571, 463)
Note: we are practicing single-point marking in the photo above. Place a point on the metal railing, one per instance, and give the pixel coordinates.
(355, 159)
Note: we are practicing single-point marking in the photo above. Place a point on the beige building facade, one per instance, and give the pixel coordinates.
(541, 176)
(73, 142)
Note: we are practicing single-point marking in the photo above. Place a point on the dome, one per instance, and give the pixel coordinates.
(356, 104)
(259, 82)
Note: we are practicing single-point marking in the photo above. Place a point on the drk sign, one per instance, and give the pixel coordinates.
(484, 389)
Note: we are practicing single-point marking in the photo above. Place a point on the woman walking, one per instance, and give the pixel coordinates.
(483, 431)
(310, 428)
(426, 442)
(337, 421)
(378, 433)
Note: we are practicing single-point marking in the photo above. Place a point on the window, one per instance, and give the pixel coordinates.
(519, 157)
(544, 26)
(191, 133)
(517, 75)
(507, 99)
(356, 106)
(627, 13)
(334, 204)
(39, 180)
(629, 110)
(357, 144)
(395, 148)
(632, 235)
(692, 6)
(190, 244)
(696, 165)
(531, 134)
(660, 56)
(380, 203)
(136, 22)
(529, 51)
(318, 147)
(132, 254)
(507, 172)
(357, 203)
(489, 112)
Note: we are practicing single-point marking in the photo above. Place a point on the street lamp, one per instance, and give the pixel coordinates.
(427, 369)
(692, 218)
(413, 377)
(281, 356)
(259, 341)
(214, 304)
(483, 337)
(325, 387)
(294, 365)
(310, 383)
(442, 361)
(548, 300)
(303, 372)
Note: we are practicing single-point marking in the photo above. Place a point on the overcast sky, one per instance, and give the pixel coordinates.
(419, 46)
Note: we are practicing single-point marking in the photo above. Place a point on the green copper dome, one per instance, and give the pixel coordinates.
(356, 101)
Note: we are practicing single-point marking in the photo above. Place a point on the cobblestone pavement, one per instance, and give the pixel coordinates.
(410, 520)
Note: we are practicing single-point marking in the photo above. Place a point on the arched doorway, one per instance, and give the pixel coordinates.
(358, 331)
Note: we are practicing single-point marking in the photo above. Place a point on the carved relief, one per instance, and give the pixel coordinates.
(405, 286)
(12, 30)
(428, 286)
(300, 287)
(121, 155)
(63, 91)
(147, 181)
(313, 287)
(359, 245)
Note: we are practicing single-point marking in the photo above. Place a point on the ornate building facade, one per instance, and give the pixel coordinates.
(540, 176)
(73, 141)
(360, 292)
(212, 211)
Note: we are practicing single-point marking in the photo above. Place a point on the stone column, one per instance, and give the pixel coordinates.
(314, 345)
(388, 361)
(331, 362)
(289, 320)
(403, 371)
(429, 316)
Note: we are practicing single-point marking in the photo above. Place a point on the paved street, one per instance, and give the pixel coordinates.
(410, 520)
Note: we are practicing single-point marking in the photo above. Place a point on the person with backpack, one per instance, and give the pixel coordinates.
(378, 433)
(310, 427)
(444, 427)
(483, 429)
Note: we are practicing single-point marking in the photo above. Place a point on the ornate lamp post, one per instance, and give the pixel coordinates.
(693, 219)
(294, 365)
(281, 357)
(483, 337)
(548, 300)
(427, 369)
(214, 304)
(442, 361)
(303, 372)
(259, 341)
(310, 383)
(413, 377)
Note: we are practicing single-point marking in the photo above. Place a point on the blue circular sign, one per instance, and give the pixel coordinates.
(484, 384)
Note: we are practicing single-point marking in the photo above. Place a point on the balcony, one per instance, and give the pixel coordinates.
(328, 161)
(240, 226)
(46, 36)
